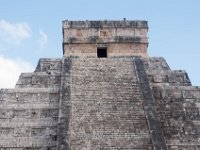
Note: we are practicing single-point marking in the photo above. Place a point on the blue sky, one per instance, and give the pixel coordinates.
(30, 30)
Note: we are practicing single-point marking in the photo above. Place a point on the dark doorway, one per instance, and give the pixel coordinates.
(102, 52)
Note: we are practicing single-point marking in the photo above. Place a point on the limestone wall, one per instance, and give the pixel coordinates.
(177, 105)
(29, 112)
(101, 103)
(81, 38)
(113, 49)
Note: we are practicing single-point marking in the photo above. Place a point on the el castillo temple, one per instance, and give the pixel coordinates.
(105, 93)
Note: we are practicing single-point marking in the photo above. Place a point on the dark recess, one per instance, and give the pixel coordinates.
(102, 52)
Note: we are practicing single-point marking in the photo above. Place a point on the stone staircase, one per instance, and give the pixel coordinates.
(107, 109)
(101, 104)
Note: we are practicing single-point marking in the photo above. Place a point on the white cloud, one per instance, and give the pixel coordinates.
(43, 39)
(11, 69)
(14, 32)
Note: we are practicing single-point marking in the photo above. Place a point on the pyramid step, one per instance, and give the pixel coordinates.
(169, 77)
(179, 105)
(36, 142)
(39, 80)
(155, 63)
(49, 65)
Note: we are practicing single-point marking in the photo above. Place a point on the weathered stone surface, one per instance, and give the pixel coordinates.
(82, 102)
(107, 108)
(155, 130)
(29, 112)
(121, 38)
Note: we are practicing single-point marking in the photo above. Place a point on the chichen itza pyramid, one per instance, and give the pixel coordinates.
(106, 93)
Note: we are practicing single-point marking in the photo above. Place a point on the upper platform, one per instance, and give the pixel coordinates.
(105, 24)
(105, 38)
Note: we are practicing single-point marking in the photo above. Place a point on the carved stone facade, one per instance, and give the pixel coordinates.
(121, 38)
(91, 101)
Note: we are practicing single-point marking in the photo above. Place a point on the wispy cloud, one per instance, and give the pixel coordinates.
(43, 39)
(10, 70)
(14, 32)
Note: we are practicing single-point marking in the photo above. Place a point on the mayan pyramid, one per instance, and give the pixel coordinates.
(106, 93)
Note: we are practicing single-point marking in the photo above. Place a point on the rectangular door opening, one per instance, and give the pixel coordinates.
(102, 52)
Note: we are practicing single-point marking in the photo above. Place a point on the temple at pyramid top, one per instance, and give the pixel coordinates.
(105, 38)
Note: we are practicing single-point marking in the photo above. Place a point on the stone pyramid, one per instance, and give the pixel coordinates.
(106, 93)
